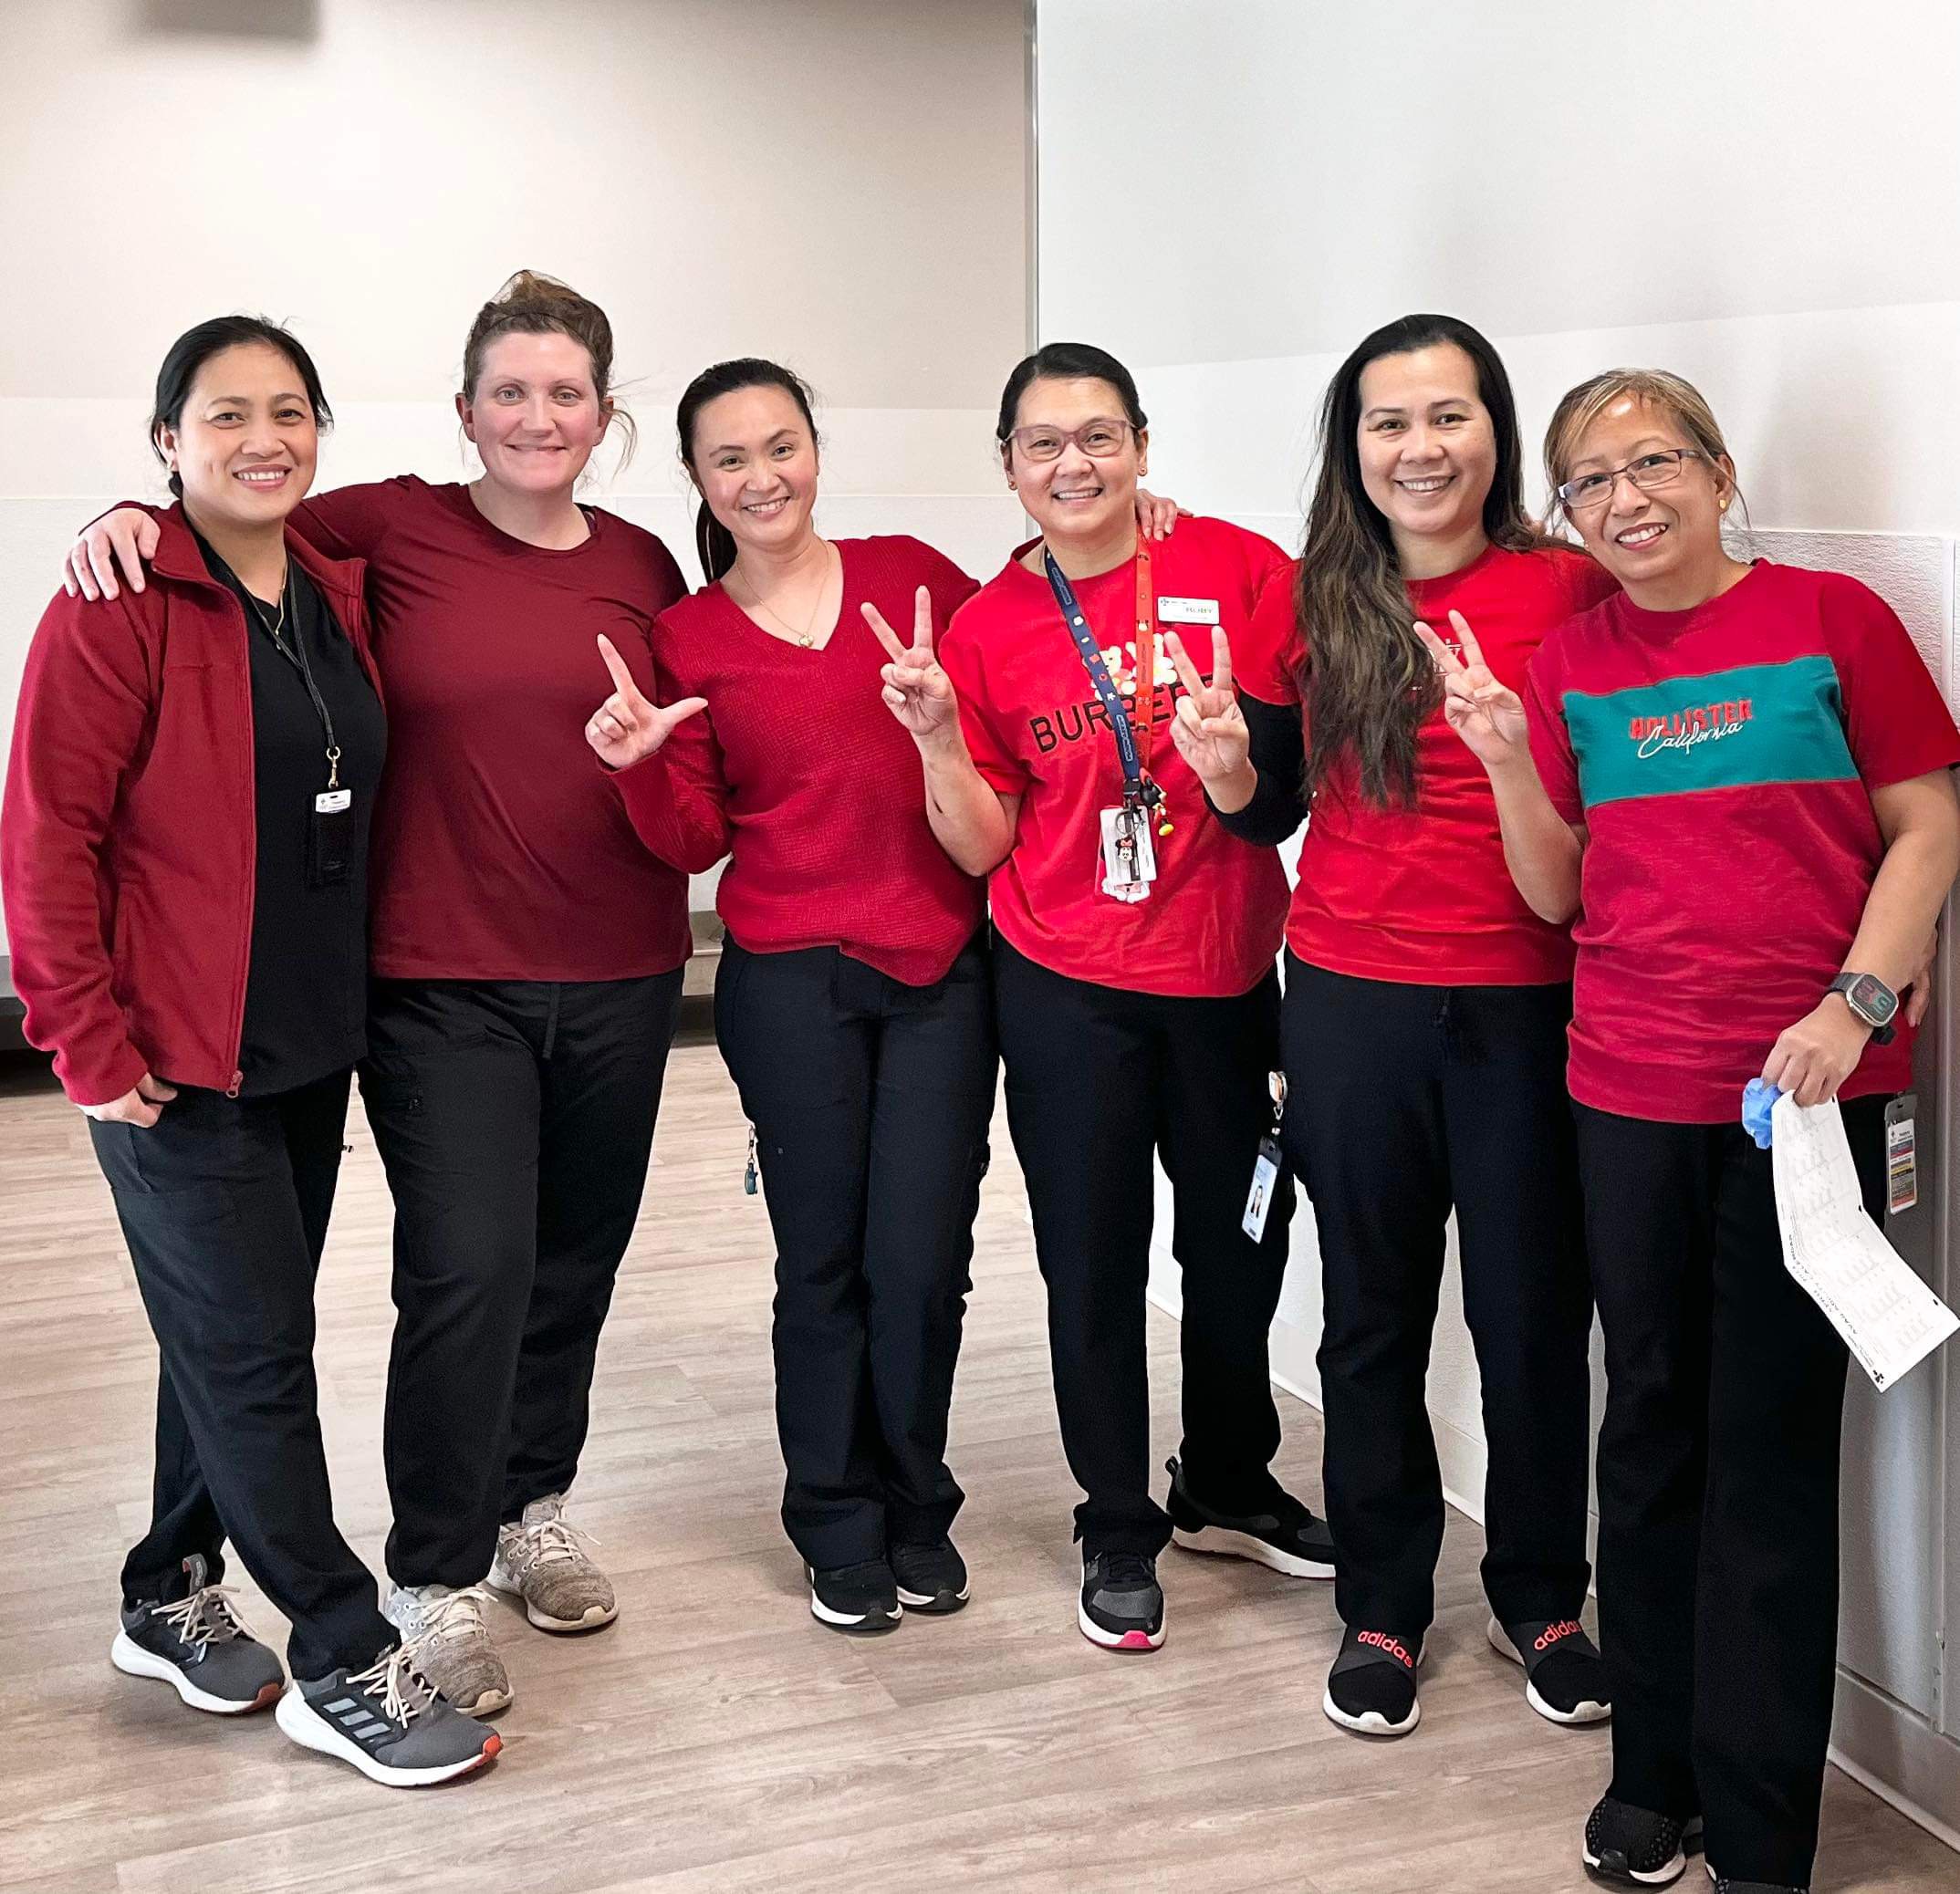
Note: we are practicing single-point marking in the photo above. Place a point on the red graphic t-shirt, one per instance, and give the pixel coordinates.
(1422, 895)
(1211, 925)
(1722, 760)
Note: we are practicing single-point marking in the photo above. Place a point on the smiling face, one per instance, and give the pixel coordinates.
(1428, 452)
(535, 414)
(1077, 498)
(247, 445)
(754, 458)
(1658, 542)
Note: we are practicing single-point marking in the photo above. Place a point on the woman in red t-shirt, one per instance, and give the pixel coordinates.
(1425, 1014)
(1743, 788)
(517, 1029)
(1136, 994)
(852, 1000)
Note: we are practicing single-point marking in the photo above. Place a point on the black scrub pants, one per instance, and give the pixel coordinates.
(515, 1122)
(1099, 1081)
(1402, 1103)
(224, 1203)
(871, 1101)
(1718, 1483)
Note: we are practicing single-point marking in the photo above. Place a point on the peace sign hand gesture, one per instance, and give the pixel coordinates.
(917, 691)
(627, 729)
(1487, 715)
(1209, 728)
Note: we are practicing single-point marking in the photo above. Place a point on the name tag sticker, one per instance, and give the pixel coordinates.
(1188, 611)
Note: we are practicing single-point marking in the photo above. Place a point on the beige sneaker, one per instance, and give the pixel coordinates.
(452, 1647)
(542, 1559)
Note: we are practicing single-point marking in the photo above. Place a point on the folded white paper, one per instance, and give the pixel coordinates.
(1890, 1319)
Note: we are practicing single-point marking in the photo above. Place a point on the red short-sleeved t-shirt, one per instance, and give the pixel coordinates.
(1722, 760)
(1212, 922)
(499, 852)
(1422, 895)
(799, 774)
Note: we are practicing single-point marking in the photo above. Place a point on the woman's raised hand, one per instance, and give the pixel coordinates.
(917, 691)
(1487, 715)
(627, 729)
(1209, 728)
(126, 537)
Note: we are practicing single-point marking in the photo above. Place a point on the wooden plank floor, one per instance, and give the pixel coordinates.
(716, 1739)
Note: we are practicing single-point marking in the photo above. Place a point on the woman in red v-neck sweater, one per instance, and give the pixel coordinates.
(517, 1029)
(852, 1002)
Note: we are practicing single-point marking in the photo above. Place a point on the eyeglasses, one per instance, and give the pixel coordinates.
(1100, 439)
(1661, 468)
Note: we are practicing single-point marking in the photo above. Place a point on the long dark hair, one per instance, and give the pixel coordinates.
(1068, 361)
(195, 347)
(714, 543)
(1364, 677)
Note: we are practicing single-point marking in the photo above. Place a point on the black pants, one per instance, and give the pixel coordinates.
(871, 1101)
(1718, 1483)
(224, 1203)
(1098, 1080)
(515, 1121)
(1401, 1103)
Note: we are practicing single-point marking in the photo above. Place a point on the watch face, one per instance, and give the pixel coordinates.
(1871, 999)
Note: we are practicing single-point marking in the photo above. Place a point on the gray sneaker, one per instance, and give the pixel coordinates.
(201, 1648)
(451, 1643)
(387, 1720)
(542, 1559)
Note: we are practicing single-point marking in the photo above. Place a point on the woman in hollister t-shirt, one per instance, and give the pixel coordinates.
(1738, 777)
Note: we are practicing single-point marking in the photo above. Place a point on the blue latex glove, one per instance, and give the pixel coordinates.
(1758, 1100)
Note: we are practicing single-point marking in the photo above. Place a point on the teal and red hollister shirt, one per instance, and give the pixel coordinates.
(1723, 761)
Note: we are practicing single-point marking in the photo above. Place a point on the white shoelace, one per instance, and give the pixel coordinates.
(387, 1677)
(457, 1615)
(204, 1619)
(546, 1539)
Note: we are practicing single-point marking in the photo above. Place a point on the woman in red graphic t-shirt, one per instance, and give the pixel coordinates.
(852, 1000)
(1425, 1014)
(1135, 990)
(1738, 777)
(518, 1030)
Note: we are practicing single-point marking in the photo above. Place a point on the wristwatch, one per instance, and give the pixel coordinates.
(1872, 1000)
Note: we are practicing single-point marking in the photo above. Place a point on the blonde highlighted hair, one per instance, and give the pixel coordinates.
(1655, 388)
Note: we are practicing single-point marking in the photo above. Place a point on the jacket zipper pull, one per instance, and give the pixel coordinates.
(230, 1091)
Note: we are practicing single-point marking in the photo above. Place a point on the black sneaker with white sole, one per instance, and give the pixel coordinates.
(1565, 1676)
(1121, 1606)
(861, 1600)
(200, 1647)
(1283, 1535)
(388, 1721)
(1638, 1847)
(931, 1577)
(1371, 1687)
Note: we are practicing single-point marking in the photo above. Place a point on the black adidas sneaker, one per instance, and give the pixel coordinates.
(388, 1721)
(200, 1647)
(1565, 1677)
(1371, 1687)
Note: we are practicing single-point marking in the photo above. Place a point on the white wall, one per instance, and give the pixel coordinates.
(838, 183)
(1763, 197)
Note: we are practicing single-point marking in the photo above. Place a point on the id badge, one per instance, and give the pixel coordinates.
(1129, 857)
(1901, 1155)
(331, 839)
(1260, 1199)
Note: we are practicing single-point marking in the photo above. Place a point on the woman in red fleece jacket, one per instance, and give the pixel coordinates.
(184, 854)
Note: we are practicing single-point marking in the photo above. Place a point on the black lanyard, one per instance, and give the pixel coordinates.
(1140, 789)
(295, 654)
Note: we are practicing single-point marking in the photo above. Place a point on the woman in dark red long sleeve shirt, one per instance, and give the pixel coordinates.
(519, 1029)
(183, 849)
